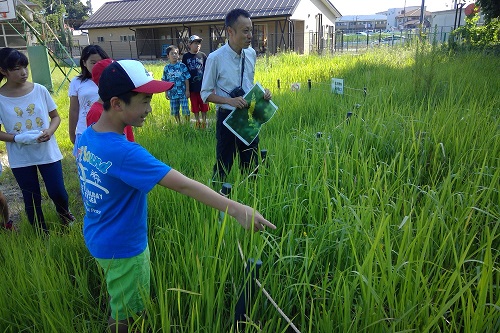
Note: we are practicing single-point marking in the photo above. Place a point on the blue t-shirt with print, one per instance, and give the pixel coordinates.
(115, 178)
(177, 73)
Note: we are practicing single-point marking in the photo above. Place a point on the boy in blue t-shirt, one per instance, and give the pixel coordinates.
(177, 73)
(115, 177)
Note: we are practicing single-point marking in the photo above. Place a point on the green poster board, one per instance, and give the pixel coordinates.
(40, 68)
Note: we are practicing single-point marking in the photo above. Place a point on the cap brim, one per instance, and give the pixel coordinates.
(197, 40)
(154, 87)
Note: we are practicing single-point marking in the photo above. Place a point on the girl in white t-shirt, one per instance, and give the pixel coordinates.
(29, 116)
(83, 92)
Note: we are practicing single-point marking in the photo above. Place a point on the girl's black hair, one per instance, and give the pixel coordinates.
(11, 58)
(86, 53)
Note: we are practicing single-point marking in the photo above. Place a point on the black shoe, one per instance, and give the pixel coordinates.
(67, 218)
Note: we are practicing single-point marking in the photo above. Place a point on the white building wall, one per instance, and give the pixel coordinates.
(81, 40)
(308, 9)
(306, 12)
(392, 13)
(391, 17)
(444, 22)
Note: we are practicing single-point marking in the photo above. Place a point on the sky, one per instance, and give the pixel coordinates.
(357, 7)
(367, 7)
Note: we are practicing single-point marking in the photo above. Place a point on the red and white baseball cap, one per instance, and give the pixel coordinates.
(123, 76)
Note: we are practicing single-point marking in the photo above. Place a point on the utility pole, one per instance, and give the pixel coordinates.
(458, 13)
(422, 16)
(404, 18)
(89, 4)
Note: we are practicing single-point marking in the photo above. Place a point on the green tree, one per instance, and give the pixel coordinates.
(474, 37)
(489, 8)
(74, 9)
(59, 14)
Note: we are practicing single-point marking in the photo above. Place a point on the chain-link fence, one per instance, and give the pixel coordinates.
(342, 42)
(302, 43)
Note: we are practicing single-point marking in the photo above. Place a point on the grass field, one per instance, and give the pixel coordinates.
(387, 221)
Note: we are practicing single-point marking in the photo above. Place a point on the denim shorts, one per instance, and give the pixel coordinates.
(176, 104)
(128, 283)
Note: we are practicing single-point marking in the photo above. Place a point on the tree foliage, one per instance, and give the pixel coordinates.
(73, 9)
(472, 36)
(489, 8)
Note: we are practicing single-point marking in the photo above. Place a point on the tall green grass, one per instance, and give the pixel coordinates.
(387, 222)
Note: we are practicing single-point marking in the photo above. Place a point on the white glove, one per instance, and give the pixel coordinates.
(28, 137)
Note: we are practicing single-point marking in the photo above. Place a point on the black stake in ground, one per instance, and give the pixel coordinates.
(350, 113)
(263, 156)
(268, 296)
(248, 290)
(263, 162)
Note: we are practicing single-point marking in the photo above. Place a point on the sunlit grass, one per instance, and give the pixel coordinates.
(387, 222)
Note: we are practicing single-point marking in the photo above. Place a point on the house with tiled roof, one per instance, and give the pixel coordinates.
(410, 19)
(143, 29)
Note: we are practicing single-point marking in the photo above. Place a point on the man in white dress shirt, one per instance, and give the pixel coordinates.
(229, 73)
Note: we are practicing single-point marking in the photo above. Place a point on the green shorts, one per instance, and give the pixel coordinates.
(128, 282)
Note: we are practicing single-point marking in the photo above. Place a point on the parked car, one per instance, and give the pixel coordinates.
(394, 38)
(390, 40)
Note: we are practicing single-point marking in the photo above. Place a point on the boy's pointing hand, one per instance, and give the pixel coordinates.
(248, 216)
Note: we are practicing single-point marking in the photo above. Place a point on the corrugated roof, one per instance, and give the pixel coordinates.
(151, 12)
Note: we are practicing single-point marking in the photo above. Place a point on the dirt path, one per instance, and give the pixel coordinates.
(9, 187)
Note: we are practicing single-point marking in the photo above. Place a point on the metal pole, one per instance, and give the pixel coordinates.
(422, 10)
(461, 6)
(456, 14)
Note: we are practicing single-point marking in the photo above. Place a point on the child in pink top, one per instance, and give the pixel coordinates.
(96, 109)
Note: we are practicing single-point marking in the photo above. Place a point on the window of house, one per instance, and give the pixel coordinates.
(100, 39)
(129, 38)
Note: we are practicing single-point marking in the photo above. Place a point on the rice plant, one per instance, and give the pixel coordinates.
(386, 200)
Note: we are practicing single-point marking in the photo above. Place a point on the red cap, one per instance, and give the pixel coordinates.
(98, 68)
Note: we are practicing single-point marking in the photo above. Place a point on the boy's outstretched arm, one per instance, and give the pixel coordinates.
(176, 181)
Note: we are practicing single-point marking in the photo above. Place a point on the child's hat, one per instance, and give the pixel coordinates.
(123, 76)
(195, 38)
(99, 68)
